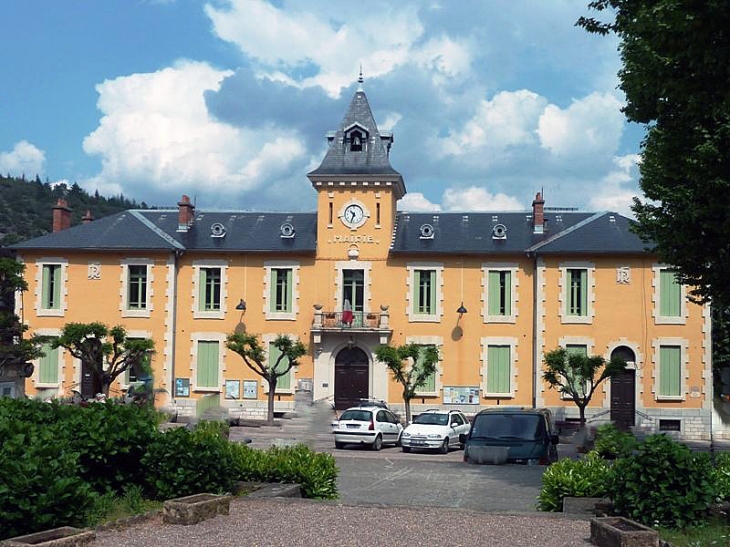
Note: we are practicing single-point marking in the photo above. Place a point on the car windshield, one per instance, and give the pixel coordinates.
(358, 415)
(432, 419)
(508, 426)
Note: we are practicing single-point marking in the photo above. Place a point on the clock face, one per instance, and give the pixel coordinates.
(353, 215)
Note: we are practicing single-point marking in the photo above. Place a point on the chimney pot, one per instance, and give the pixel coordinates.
(61, 216)
(185, 213)
(538, 214)
(88, 217)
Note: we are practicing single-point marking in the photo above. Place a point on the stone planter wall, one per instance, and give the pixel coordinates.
(622, 532)
(194, 509)
(66, 536)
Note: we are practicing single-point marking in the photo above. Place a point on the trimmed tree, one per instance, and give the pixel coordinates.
(578, 376)
(106, 352)
(286, 356)
(411, 366)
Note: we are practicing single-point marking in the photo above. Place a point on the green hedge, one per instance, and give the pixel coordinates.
(584, 478)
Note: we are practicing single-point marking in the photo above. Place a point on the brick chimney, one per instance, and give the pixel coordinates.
(88, 217)
(538, 214)
(185, 213)
(61, 216)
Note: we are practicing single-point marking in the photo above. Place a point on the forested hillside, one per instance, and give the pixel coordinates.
(26, 206)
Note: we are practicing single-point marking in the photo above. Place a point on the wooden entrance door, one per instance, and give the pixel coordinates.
(623, 391)
(352, 374)
(89, 384)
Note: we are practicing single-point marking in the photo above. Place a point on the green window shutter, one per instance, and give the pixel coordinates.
(284, 382)
(203, 283)
(289, 283)
(273, 288)
(507, 277)
(46, 290)
(208, 364)
(56, 286)
(417, 304)
(583, 292)
(48, 373)
(670, 382)
(432, 293)
(498, 369)
(430, 385)
(579, 349)
(670, 294)
(493, 295)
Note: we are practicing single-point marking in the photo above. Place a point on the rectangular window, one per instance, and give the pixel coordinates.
(281, 290)
(430, 385)
(577, 349)
(499, 298)
(498, 369)
(424, 297)
(670, 294)
(284, 382)
(137, 288)
(51, 295)
(577, 297)
(208, 364)
(48, 365)
(670, 367)
(133, 373)
(210, 289)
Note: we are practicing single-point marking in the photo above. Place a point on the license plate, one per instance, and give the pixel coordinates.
(353, 426)
(419, 443)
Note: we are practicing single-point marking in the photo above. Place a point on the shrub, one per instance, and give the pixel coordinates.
(612, 443)
(662, 484)
(316, 472)
(721, 476)
(180, 463)
(582, 478)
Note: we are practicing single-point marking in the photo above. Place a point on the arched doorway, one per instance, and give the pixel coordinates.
(352, 373)
(623, 390)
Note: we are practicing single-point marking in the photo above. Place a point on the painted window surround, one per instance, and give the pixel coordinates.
(61, 363)
(414, 317)
(196, 337)
(438, 342)
(281, 264)
(266, 339)
(366, 267)
(514, 282)
(683, 344)
(122, 378)
(510, 341)
(681, 319)
(563, 292)
(62, 307)
(212, 314)
(124, 290)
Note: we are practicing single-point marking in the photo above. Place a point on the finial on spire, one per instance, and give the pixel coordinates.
(360, 80)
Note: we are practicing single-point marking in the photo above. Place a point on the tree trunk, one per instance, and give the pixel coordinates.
(582, 414)
(408, 410)
(272, 394)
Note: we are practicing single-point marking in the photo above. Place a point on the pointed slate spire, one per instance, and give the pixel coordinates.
(357, 149)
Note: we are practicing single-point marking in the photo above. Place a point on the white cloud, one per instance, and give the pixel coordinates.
(25, 158)
(416, 202)
(618, 188)
(156, 130)
(475, 198)
(590, 125)
(509, 119)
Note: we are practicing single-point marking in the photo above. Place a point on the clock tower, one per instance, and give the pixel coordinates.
(357, 188)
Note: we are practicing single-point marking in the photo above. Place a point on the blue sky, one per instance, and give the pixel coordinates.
(228, 101)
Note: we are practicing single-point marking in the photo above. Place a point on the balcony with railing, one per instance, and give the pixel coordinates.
(351, 322)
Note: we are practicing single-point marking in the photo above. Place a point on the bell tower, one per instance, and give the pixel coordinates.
(357, 187)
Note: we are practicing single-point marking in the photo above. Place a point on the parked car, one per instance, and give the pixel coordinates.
(367, 424)
(518, 435)
(436, 430)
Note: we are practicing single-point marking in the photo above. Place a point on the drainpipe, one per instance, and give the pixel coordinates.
(173, 324)
(535, 326)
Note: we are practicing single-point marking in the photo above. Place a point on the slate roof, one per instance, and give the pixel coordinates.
(157, 230)
(371, 160)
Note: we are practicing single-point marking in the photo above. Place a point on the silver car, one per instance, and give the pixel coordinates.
(369, 425)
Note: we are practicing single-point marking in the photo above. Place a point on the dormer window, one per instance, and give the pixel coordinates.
(356, 141)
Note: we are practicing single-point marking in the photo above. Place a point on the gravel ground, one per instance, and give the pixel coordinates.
(286, 522)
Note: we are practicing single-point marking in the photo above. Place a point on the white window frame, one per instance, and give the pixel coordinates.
(366, 268)
(510, 341)
(681, 319)
(56, 333)
(196, 337)
(683, 344)
(566, 341)
(124, 291)
(266, 340)
(514, 284)
(211, 314)
(62, 306)
(414, 317)
(586, 319)
(281, 265)
(437, 342)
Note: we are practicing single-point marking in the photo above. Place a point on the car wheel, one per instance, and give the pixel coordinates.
(378, 443)
(406, 448)
(339, 446)
(445, 447)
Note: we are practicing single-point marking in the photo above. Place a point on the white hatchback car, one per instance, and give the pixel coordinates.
(367, 424)
(435, 429)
